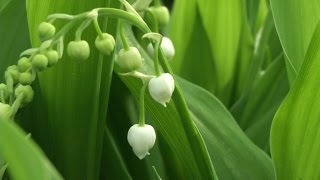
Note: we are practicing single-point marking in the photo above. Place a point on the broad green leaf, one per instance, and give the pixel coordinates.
(222, 21)
(3, 169)
(295, 138)
(181, 30)
(261, 16)
(191, 56)
(14, 32)
(3, 4)
(265, 87)
(25, 158)
(244, 59)
(274, 46)
(72, 97)
(261, 43)
(295, 21)
(233, 154)
(111, 153)
(252, 8)
(256, 13)
(254, 112)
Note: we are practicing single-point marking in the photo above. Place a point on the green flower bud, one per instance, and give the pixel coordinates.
(130, 59)
(162, 15)
(46, 31)
(78, 50)
(40, 62)
(52, 56)
(5, 112)
(106, 44)
(24, 64)
(14, 72)
(27, 93)
(4, 89)
(25, 78)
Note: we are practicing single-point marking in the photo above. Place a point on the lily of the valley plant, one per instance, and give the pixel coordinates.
(159, 89)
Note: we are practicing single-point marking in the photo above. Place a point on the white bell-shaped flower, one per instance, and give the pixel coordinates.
(141, 139)
(166, 46)
(161, 88)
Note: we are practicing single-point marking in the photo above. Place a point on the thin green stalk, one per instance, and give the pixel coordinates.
(81, 28)
(16, 105)
(157, 3)
(69, 26)
(156, 58)
(129, 17)
(110, 12)
(97, 27)
(123, 37)
(9, 82)
(151, 20)
(53, 17)
(142, 110)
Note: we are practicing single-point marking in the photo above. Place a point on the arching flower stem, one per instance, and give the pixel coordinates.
(141, 104)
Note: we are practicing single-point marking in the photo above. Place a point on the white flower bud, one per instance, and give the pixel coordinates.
(161, 88)
(166, 46)
(141, 139)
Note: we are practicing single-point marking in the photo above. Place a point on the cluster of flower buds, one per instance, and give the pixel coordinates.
(80, 50)
(17, 92)
(18, 78)
(44, 57)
